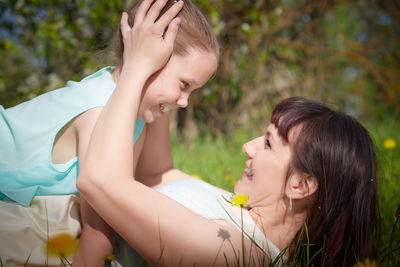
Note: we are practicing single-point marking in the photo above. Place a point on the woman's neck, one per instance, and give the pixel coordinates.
(279, 224)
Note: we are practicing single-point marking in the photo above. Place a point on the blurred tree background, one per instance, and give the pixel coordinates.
(341, 51)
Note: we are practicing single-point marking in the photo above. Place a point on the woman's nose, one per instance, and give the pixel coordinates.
(249, 149)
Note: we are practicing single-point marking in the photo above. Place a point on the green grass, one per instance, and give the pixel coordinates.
(221, 162)
(388, 184)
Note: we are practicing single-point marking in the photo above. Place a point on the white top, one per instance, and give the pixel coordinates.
(209, 202)
(250, 228)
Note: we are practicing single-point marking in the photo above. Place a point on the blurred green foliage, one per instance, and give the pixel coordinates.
(341, 51)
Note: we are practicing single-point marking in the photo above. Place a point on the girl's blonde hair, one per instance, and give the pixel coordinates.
(194, 31)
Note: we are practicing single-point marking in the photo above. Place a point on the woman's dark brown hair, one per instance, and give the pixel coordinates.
(194, 31)
(338, 152)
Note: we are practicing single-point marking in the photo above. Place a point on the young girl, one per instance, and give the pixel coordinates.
(42, 139)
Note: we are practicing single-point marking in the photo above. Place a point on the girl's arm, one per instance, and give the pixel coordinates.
(155, 158)
(155, 164)
(159, 228)
(147, 48)
(96, 240)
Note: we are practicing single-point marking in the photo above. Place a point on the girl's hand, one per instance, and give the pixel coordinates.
(145, 44)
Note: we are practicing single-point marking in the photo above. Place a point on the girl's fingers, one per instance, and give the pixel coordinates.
(125, 28)
(172, 30)
(155, 10)
(170, 14)
(142, 11)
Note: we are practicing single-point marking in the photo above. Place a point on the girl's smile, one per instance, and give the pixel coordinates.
(171, 87)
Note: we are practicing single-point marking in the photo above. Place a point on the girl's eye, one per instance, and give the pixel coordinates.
(267, 143)
(185, 85)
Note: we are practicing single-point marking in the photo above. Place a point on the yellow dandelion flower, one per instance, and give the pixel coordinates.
(389, 143)
(62, 245)
(196, 176)
(240, 200)
(108, 258)
(366, 263)
(228, 177)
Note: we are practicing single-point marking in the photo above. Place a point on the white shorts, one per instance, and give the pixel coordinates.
(24, 230)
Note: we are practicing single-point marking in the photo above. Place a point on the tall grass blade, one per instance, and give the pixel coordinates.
(308, 244)
(392, 233)
(27, 260)
(161, 247)
(345, 253)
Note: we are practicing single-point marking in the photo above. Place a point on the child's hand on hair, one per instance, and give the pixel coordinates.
(148, 45)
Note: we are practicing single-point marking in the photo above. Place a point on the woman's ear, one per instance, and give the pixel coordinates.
(300, 186)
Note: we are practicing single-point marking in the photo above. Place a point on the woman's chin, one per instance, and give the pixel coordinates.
(238, 188)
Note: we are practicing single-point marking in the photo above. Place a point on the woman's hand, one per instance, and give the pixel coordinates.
(145, 44)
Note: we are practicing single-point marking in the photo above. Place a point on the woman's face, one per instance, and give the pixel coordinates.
(170, 87)
(266, 167)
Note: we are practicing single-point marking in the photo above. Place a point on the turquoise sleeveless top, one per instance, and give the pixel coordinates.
(27, 135)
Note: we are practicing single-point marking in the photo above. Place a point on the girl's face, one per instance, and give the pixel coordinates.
(265, 173)
(170, 87)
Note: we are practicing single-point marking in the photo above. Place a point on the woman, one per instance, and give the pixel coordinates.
(314, 167)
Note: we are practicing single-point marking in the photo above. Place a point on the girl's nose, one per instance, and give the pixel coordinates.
(182, 102)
